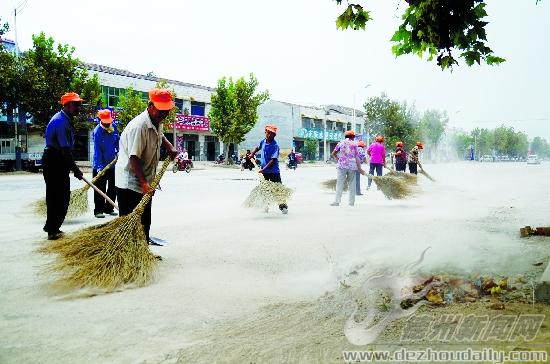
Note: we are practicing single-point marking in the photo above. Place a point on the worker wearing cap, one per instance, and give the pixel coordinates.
(362, 156)
(377, 153)
(269, 165)
(105, 137)
(400, 157)
(348, 163)
(58, 162)
(413, 158)
(139, 155)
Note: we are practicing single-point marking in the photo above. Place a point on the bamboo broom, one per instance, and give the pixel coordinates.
(267, 193)
(331, 184)
(106, 256)
(423, 172)
(408, 177)
(78, 204)
(392, 187)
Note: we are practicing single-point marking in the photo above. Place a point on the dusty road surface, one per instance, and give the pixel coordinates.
(226, 268)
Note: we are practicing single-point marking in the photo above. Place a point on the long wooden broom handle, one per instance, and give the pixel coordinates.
(100, 192)
(253, 160)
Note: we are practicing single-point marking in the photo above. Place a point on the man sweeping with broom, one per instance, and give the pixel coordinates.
(139, 155)
(58, 162)
(413, 158)
(270, 159)
(105, 136)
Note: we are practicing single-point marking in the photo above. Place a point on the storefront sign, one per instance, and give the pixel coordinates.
(190, 122)
(311, 133)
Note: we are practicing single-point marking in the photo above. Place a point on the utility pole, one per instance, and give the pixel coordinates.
(16, 113)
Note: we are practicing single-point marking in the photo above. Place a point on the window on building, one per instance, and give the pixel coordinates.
(358, 128)
(330, 125)
(306, 123)
(348, 126)
(197, 108)
(179, 105)
(113, 94)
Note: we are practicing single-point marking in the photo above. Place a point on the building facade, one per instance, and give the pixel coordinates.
(296, 123)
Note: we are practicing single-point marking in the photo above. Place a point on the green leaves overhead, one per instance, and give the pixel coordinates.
(438, 29)
(353, 17)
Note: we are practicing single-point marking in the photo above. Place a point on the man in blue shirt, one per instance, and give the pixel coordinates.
(105, 136)
(270, 159)
(58, 162)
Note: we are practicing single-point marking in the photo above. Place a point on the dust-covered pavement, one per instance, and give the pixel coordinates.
(224, 262)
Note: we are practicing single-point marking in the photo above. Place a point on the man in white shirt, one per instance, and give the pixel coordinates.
(139, 155)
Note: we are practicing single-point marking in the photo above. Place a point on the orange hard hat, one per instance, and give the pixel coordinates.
(399, 144)
(419, 145)
(379, 138)
(271, 128)
(361, 143)
(70, 97)
(161, 98)
(105, 116)
(349, 133)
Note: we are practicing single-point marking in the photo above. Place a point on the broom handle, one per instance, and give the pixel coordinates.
(100, 192)
(104, 170)
(147, 197)
(253, 160)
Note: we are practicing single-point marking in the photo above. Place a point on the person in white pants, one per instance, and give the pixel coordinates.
(346, 152)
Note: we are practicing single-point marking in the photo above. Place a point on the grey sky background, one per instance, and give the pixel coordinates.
(295, 51)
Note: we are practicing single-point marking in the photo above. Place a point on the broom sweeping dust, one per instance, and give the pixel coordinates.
(267, 193)
(78, 204)
(392, 187)
(106, 256)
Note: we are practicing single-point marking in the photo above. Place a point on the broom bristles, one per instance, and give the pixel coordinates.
(331, 184)
(105, 256)
(409, 177)
(392, 187)
(78, 204)
(268, 193)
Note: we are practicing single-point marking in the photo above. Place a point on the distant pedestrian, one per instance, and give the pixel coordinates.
(106, 138)
(348, 164)
(400, 157)
(58, 162)
(362, 156)
(413, 158)
(377, 153)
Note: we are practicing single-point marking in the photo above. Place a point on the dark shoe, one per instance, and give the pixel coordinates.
(54, 236)
(152, 242)
(158, 257)
(112, 213)
(99, 215)
(358, 194)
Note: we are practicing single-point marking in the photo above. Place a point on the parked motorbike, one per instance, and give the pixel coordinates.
(182, 165)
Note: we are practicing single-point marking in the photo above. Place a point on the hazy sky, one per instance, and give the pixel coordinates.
(295, 51)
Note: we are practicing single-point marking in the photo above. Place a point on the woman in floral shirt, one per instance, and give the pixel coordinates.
(348, 163)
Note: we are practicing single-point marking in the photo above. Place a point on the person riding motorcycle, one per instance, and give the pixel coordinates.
(292, 162)
(247, 163)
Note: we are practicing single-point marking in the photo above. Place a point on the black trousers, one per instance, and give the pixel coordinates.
(107, 185)
(275, 177)
(400, 166)
(127, 201)
(412, 168)
(58, 189)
